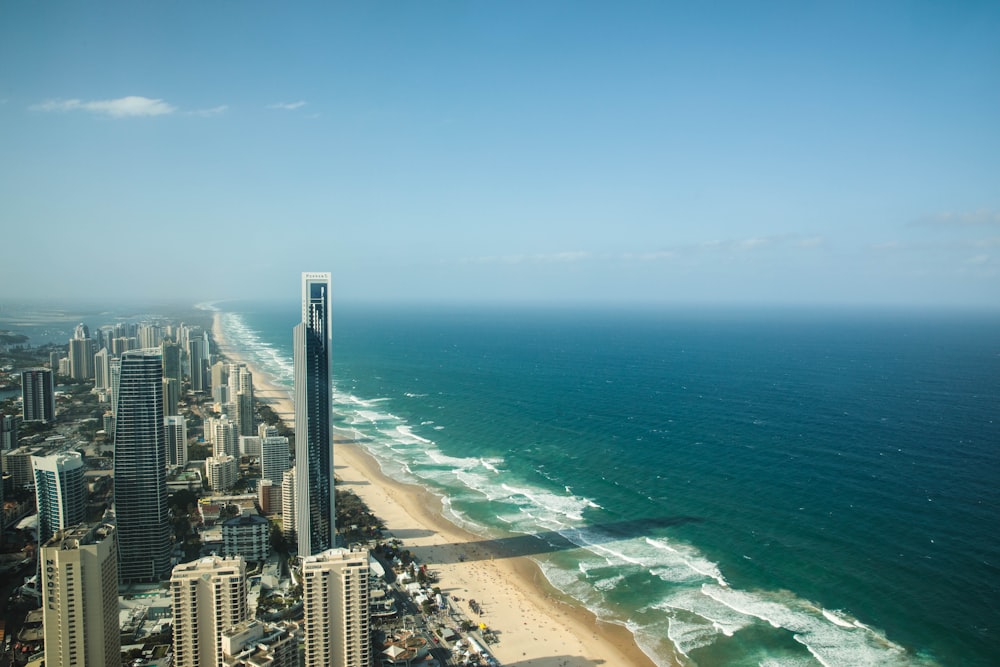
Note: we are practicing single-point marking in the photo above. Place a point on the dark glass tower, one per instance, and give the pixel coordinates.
(313, 437)
(143, 531)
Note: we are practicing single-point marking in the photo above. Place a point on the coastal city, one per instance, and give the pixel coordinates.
(158, 509)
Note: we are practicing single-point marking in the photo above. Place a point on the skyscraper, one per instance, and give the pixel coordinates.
(313, 437)
(59, 492)
(210, 595)
(140, 462)
(175, 427)
(38, 395)
(81, 358)
(274, 458)
(102, 369)
(335, 602)
(197, 358)
(79, 577)
(288, 522)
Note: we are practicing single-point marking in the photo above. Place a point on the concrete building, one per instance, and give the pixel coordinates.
(275, 458)
(268, 496)
(313, 418)
(17, 462)
(224, 436)
(248, 536)
(60, 494)
(8, 431)
(222, 472)
(209, 596)
(254, 643)
(81, 358)
(175, 437)
(288, 523)
(335, 601)
(250, 446)
(38, 395)
(102, 370)
(79, 577)
(140, 469)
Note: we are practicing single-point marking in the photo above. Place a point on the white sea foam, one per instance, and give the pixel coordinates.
(831, 644)
(692, 616)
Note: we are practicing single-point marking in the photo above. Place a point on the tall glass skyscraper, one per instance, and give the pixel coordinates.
(314, 513)
(143, 531)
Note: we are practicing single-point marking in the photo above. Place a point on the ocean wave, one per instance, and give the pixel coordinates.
(697, 606)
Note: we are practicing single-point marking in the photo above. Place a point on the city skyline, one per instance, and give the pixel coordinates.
(556, 152)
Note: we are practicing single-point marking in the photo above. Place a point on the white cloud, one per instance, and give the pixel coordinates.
(214, 111)
(960, 219)
(122, 107)
(287, 106)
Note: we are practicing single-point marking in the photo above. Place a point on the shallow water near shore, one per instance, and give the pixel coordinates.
(735, 488)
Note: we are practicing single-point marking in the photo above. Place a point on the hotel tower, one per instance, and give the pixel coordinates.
(79, 579)
(140, 469)
(209, 596)
(313, 437)
(335, 601)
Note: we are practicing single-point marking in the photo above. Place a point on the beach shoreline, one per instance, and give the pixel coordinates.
(535, 625)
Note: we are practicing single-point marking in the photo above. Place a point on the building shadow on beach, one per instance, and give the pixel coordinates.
(548, 541)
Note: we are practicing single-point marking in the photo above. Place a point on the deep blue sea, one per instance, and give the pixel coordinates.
(750, 487)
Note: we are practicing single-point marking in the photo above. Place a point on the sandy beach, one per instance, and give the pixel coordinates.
(535, 627)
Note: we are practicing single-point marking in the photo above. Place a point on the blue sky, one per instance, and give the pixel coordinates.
(747, 153)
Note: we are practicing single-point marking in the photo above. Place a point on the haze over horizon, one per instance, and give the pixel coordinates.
(549, 152)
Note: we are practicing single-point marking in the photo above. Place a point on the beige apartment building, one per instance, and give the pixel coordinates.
(210, 595)
(335, 601)
(79, 582)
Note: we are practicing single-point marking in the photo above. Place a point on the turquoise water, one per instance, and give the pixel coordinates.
(793, 488)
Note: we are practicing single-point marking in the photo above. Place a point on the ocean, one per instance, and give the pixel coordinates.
(752, 487)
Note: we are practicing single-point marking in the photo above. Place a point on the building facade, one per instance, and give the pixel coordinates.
(38, 395)
(140, 469)
(248, 536)
(254, 643)
(209, 596)
(59, 492)
(274, 458)
(313, 418)
(175, 436)
(221, 472)
(335, 603)
(288, 488)
(79, 579)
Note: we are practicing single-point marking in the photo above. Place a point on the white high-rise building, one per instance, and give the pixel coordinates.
(59, 492)
(275, 458)
(335, 601)
(313, 418)
(288, 487)
(225, 437)
(175, 429)
(79, 577)
(102, 370)
(222, 472)
(209, 596)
